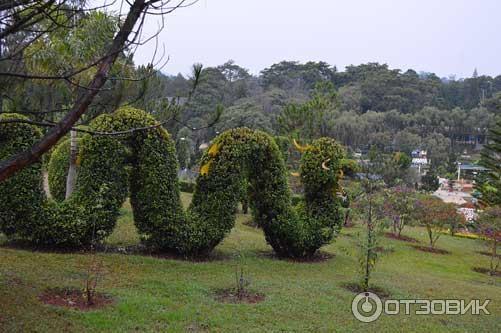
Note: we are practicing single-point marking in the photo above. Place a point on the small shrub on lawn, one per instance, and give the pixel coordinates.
(490, 226)
(436, 215)
(399, 206)
(370, 205)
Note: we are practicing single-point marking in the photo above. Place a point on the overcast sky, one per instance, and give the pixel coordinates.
(441, 36)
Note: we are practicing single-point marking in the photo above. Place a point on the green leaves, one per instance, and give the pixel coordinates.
(64, 51)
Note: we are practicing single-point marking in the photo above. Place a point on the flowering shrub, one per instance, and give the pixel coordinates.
(436, 215)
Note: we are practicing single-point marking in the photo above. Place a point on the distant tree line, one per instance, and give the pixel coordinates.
(363, 106)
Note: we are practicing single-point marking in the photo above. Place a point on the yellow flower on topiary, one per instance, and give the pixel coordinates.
(204, 170)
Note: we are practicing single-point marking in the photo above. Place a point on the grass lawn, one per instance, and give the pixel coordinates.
(169, 295)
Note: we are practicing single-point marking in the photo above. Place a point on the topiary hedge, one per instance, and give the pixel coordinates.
(283, 144)
(21, 196)
(88, 215)
(145, 162)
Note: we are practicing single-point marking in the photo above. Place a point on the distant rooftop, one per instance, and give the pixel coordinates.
(418, 153)
(472, 167)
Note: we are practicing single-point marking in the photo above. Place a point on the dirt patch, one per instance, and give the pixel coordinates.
(430, 249)
(485, 253)
(195, 327)
(73, 298)
(401, 237)
(356, 288)
(17, 244)
(317, 257)
(486, 271)
(11, 279)
(231, 296)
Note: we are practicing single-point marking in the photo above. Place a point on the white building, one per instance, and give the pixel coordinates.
(419, 159)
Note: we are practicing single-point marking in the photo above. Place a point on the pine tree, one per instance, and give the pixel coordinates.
(490, 185)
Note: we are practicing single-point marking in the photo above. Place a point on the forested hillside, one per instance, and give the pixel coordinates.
(364, 105)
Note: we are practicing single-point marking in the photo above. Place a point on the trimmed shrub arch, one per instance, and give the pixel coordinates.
(143, 165)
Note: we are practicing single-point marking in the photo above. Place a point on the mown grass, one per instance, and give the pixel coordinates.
(168, 295)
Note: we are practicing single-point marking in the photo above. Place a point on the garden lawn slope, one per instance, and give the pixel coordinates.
(156, 294)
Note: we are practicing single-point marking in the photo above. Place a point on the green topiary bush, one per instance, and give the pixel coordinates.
(89, 214)
(21, 196)
(145, 163)
(292, 232)
(283, 144)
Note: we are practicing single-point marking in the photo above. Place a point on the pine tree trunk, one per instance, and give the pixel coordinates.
(72, 170)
